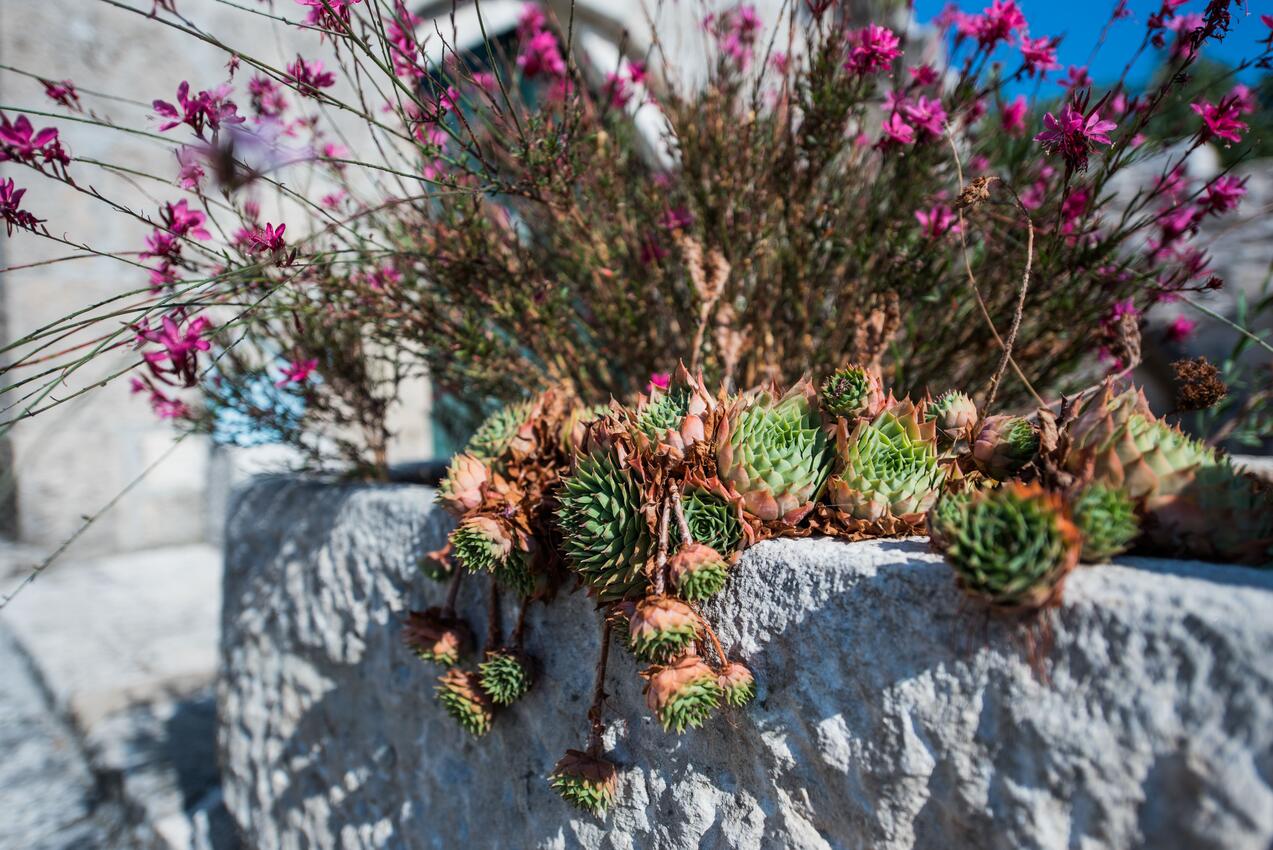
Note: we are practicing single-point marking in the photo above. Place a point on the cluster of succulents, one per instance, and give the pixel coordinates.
(647, 506)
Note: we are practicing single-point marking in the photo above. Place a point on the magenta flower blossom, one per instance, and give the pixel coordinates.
(162, 244)
(923, 75)
(927, 116)
(20, 142)
(1012, 118)
(329, 14)
(268, 239)
(677, 218)
(309, 76)
(400, 33)
(1181, 329)
(1039, 55)
(11, 208)
(163, 406)
(540, 55)
(998, 22)
(175, 361)
(207, 108)
(659, 381)
(268, 99)
(1220, 120)
(616, 90)
(297, 372)
(1121, 309)
(1076, 77)
(735, 32)
(190, 168)
(63, 94)
(896, 131)
(183, 221)
(937, 221)
(1178, 222)
(872, 49)
(1074, 135)
(1224, 194)
(637, 73)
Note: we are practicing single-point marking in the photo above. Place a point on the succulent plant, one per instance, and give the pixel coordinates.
(585, 781)
(505, 676)
(887, 467)
(1126, 447)
(575, 424)
(851, 392)
(481, 544)
(1005, 444)
(465, 483)
(697, 572)
(435, 636)
(712, 520)
(664, 411)
(460, 693)
(773, 453)
(683, 694)
(674, 419)
(604, 537)
(954, 414)
(945, 514)
(1106, 517)
(493, 437)
(662, 628)
(1221, 515)
(1012, 547)
(737, 684)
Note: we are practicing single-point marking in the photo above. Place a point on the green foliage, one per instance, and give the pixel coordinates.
(604, 537)
(1106, 517)
(505, 677)
(711, 519)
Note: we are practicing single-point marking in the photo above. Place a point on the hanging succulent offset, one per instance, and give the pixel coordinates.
(648, 506)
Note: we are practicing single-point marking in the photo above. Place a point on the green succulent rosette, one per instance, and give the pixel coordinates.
(504, 676)
(683, 694)
(664, 412)
(773, 453)
(586, 782)
(1106, 517)
(711, 520)
(493, 437)
(604, 537)
(1004, 445)
(851, 392)
(1013, 546)
(460, 693)
(888, 467)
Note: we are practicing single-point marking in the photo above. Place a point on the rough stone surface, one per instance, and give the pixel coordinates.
(890, 713)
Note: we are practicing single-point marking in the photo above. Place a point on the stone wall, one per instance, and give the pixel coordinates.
(891, 714)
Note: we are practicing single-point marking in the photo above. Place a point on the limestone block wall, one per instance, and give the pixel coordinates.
(890, 714)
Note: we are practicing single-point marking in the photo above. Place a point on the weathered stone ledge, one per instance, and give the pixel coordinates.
(890, 713)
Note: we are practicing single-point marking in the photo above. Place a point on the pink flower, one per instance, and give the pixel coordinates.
(308, 76)
(541, 55)
(735, 32)
(677, 218)
(164, 407)
(637, 73)
(1039, 55)
(329, 14)
(162, 244)
(1181, 329)
(937, 221)
(531, 21)
(332, 200)
(63, 94)
(183, 221)
(179, 347)
(998, 22)
(927, 116)
(1076, 77)
(207, 108)
(11, 210)
(616, 90)
(1224, 194)
(400, 33)
(1074, 135)
(659, 381)
(1178, 222)
(19, 141)
(1245, 99)
(1121, 309)
(1012, 118)
(269, 240)
(872, 49)
(896, 131)
(297, 372)
(190, 173)
(1220, 121)
(267, 97)
(923, 75)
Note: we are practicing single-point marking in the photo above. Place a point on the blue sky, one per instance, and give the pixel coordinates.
(1080, 21)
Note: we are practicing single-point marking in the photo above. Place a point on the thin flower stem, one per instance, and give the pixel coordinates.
(1020, 308)
(519, 631)
(1207, 311)
(494, 626)
(660, 562)
(679, 509)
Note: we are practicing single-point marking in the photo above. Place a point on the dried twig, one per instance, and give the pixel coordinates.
(598, 728)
